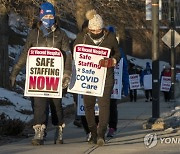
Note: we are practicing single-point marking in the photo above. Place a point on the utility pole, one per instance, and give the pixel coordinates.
(173, 66)
(155, 60)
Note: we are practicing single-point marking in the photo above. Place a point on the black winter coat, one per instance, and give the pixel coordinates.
(36, 38)
(133, 70)
(110, 42)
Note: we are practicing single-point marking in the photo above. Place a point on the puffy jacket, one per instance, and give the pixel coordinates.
(57, 39)
(110, 42)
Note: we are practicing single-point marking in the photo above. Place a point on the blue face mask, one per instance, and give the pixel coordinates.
(48, 23)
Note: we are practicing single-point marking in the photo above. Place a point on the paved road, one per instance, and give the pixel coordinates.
(129, 138)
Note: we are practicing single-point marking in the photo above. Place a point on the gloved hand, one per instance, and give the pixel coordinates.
(107, 62)
(65, 81)
(12, 80)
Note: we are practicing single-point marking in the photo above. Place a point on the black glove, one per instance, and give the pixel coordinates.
(65, 81)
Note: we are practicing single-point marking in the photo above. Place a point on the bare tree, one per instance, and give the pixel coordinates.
(82, 6)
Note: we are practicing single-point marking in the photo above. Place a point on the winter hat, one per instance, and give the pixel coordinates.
(167, 66)
(46, 8)
(148, 65)
(95, 20)
(111, 29)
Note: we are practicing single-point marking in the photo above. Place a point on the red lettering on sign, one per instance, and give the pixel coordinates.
(40, 83)
(32, 82)
(52, 83)
(43, 83)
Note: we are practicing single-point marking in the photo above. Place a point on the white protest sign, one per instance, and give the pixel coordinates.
(117, 89)
(134, 81)
(44, 72)
(116, 94)
(165, 83)
(88, 77)
(148, 82)
(80, 107)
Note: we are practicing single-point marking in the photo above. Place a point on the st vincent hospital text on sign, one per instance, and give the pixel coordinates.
(44, 71)
(88, 76)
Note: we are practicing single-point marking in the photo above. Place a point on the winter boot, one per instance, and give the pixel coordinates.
(101, 136)
(58, 137)
(39, 134)
(93, 139)
(100, 141)
(88, 137)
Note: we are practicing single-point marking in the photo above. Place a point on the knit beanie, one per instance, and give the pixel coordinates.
(46, 8)
(148, 65)
(167, 66)
(111, 29)
(95, 20)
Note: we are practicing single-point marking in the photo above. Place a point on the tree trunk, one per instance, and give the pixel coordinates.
(82, 6)
(4, 62)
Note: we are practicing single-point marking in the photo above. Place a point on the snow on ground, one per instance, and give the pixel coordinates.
(20, 103)
(15, 49)
(17, 23)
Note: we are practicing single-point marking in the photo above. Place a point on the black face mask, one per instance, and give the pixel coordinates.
(96, 36)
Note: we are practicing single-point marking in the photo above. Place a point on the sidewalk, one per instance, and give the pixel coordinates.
(129, 138)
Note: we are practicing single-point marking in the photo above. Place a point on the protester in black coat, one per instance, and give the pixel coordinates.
(47, 34)
(98, 36)
(133, 92)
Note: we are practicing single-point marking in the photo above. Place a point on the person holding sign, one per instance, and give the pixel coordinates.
(134, 81)
(97, 41)
(45, 47)
(146, 81)
(166, 82)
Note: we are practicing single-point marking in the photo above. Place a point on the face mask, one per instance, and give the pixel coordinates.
(96, 36)
(44, 30)
(48, 23)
